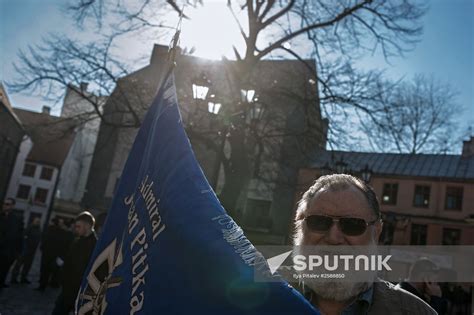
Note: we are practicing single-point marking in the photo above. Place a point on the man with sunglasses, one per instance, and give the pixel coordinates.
(11, 238)
(342, 210)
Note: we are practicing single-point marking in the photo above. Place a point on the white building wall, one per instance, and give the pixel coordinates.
(75, 169)
(28, 206)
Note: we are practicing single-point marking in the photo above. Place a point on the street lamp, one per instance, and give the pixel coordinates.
(366, 173)
(214, 107)
(201, 87)
(341, 166)
(247, 95)
(256, 111)
(326, 169)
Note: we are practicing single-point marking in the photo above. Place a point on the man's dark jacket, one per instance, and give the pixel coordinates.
(32, 239)
(55, 242)
(11, 235)
(439, 304)
(389, 299)
(75, 264)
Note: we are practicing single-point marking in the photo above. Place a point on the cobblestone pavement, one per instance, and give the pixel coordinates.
(22, 299)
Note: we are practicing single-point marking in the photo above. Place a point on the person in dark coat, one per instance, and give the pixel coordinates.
(11, 237)
(421, 283)
(30, 243)
(54, 245)
(75, 262)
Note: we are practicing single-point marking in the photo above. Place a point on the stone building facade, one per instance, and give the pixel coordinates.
(36, 173)
(11, 136)
(284, 109)
(425, 199)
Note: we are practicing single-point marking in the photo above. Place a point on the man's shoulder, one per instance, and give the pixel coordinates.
(392, 296)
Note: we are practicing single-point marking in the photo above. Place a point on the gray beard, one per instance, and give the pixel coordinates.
(340, 291)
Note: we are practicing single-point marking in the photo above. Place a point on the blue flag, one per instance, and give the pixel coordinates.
(168, 246)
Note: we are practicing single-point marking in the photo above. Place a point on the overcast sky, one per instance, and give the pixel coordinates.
(446, 48)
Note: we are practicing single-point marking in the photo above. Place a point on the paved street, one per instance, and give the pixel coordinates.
(21, 299)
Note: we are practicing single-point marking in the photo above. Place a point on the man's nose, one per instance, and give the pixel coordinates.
(334, 236)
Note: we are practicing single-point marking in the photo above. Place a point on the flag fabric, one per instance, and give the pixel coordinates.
(168, 246)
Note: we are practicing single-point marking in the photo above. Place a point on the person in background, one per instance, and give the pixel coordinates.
(11, 237)
(421, 282)
(31, 240)
(55, 242)
(75, 262)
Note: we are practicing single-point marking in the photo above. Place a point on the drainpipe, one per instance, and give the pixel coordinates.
(51, 202)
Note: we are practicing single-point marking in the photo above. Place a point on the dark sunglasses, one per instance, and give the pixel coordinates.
(348, 226)
(8, 204)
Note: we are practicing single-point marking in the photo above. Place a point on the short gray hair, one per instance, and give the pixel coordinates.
(334, 182)
(339, 182)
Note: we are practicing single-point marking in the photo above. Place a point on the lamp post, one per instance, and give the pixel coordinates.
(256, 111)
(326, 169)
(341, 166)
(366, 173)
(200, 87)
(223, 120)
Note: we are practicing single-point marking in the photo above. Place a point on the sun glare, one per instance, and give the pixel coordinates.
(211, 30)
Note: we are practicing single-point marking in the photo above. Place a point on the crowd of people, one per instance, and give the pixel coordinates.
(336, 210)
(65, 251)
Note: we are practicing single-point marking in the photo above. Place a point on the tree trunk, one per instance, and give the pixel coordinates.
(237, 173)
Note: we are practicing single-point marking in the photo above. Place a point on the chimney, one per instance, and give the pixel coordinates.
(46, 110)
(83, 86)
(160, 54)
(468, 148)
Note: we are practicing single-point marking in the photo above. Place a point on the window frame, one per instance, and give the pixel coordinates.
(42, 172)
(36, 201)
(419, 227)
(18, 192)
(423, 196)
(391, 193)
(27, 164)
(460, 195)
(450, 229)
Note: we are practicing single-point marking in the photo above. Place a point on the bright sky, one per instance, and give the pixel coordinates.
(446, 49)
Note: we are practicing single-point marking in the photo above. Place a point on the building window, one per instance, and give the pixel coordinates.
(389, 195)
(41, 195)
(454, 198)
(451, 236)
(23, 192)
(29, 170)
(418, 234)
(46, 173)
(422, 196)
(258, 214)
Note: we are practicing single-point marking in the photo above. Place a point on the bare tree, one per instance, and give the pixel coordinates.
(335, 33)
(417, 117)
